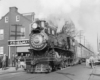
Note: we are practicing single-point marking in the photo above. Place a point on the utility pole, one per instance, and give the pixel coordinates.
(84, 40)
(97, 44)
(80, 41)
(16, 28)
(16, 35)
(80, 36)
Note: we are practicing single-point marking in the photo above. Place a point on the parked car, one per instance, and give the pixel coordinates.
(97, 62)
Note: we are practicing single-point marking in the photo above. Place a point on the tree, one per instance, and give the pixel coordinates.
(69, 28)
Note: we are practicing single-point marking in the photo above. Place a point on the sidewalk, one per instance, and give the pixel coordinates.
(10, 70)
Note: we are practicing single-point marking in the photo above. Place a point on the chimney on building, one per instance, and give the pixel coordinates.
(13, 9)
(32, 16)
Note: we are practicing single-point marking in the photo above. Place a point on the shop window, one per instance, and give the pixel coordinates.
(1, 34)
(1, 50)
(6, 19)
(22, 32)
(17, 18)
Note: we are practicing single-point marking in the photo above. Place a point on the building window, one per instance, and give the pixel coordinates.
(1, 50)
(17, 18)
(6, 19)
(53, 32)
(22, 32)
(1, 34)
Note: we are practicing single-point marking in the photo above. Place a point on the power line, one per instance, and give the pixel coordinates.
(16, 35)
(16, 30)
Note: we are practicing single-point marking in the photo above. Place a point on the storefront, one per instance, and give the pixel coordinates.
(23, 50)
(19, 47)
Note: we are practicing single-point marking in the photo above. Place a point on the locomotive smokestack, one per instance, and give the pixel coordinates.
(43, 23)
(33, 16)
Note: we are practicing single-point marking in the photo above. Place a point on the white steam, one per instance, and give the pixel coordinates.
(84, 13)
(58, 6)
(57, 11)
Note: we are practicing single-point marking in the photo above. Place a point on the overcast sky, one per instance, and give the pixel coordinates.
(84, 13)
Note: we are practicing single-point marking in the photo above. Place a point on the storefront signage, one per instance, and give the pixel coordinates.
(18, 42)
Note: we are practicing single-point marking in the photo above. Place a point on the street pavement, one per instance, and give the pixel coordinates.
(78, 72)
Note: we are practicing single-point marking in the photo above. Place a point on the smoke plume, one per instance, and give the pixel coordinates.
(85, 14)
(57, 11)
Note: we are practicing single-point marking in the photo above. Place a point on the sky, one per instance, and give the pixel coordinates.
(85, 14)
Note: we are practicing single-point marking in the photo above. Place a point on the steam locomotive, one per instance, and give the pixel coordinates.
(49, 53)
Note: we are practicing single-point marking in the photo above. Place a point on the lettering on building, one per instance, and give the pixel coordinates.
(18, 42)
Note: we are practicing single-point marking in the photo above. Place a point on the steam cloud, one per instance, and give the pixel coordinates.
(58, 11)
(84, 13)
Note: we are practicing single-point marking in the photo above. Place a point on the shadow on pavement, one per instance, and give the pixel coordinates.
(66, 74)
(95, 74)
(7, 72)
(5, 68)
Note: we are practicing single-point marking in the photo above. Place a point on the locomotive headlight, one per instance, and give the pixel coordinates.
(34, 25)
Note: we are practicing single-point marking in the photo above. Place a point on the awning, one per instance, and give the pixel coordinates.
(23, 49)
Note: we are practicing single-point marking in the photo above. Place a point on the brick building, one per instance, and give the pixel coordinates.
(14, 32)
